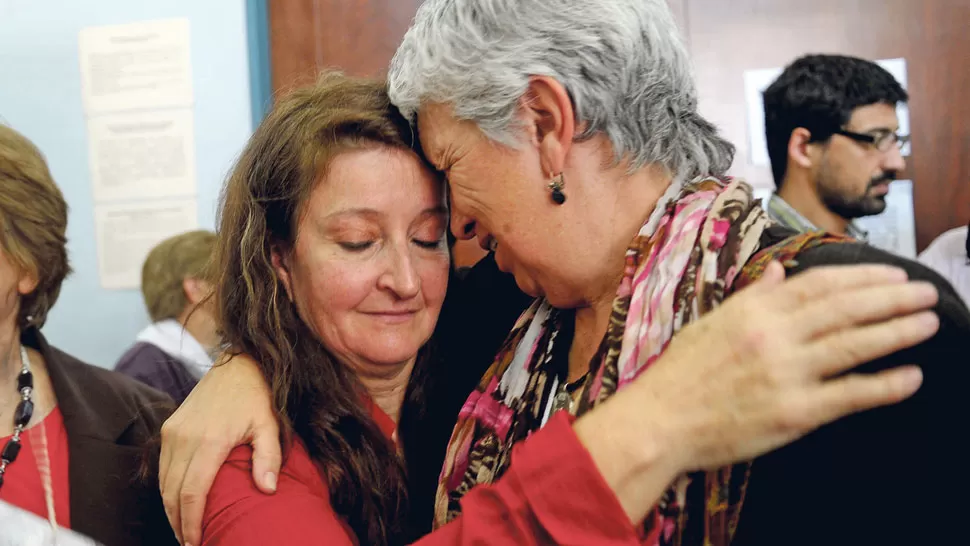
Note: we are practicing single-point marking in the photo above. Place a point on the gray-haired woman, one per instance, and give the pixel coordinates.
(569, 134)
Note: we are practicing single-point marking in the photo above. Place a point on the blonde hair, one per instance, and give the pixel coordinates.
(184, 256)
(33, 224)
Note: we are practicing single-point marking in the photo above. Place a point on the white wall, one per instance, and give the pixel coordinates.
(40, 96)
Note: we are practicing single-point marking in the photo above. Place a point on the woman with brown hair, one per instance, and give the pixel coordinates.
(332, 269)
(73, 436)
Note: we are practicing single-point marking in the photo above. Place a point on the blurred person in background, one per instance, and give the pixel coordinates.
(949, 255)
(834, 143)
(173, 352)
(74, 437)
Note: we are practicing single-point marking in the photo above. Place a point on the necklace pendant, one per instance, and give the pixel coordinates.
(25, 379)
(562, 401)
(23, 413)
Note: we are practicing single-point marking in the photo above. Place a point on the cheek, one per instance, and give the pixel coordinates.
(326, 291)
(859, 168)
(9, 287)
(434, 271)
(8, 299)
(458, 202)
(496, 186)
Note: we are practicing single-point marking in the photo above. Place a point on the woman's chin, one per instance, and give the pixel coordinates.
(391, 356)
(527, 285)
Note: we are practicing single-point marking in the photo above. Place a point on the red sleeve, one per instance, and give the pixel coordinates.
(299, 513)
(552, 493)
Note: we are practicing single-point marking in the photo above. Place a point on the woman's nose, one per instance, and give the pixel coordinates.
(401, 277)
(463, 227)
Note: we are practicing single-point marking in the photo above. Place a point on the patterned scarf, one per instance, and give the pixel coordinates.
(681, 265)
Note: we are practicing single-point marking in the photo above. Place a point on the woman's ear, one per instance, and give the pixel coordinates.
(550, 121)
(281, 264)
(28, 282)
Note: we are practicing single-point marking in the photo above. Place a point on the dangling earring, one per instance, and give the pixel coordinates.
(556, 185)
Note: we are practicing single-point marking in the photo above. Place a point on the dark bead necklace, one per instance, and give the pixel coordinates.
(21, 416)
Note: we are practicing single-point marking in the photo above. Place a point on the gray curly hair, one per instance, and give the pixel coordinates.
(622, 61)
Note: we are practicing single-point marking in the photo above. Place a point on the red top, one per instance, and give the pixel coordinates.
(552, 493)
(22, 486)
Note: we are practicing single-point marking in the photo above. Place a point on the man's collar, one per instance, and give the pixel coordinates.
(782, 213)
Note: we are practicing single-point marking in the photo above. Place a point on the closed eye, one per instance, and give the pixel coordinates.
(356, 246)
(430, 245)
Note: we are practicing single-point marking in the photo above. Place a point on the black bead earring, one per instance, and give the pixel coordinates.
(556, 185)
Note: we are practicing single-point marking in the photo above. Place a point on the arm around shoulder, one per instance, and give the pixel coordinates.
(238, 514)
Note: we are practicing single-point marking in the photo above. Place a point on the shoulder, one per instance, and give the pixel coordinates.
(886, 461)
(950, 306)
(948, 253)
(135, 393)
(137, 398)
(157, 369)
(298, 513)
(944, 353)
(139, 355)
(951, 243)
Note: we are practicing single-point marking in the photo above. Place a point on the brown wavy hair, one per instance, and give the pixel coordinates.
(315, 396)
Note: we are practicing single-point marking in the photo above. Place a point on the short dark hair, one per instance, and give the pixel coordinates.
(819, 93)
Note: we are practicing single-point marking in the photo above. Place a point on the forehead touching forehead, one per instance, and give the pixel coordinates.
(434, 132)
(377, 181)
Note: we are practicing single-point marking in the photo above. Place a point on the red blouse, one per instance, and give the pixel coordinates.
(552, 493)
(22, 486)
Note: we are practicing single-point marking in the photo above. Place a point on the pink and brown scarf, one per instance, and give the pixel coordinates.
(698, 246)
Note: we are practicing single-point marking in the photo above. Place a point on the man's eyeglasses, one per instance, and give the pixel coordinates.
(880, 140)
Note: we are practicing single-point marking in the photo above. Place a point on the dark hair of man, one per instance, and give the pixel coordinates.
(819, 93)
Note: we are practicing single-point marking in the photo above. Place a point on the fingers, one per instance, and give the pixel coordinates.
(864, 305)
(193, 489)
(845, 349)
(858, 392)
(171, 471)
(267, 456)
(218, 417)
(773, 275)
(823, 281)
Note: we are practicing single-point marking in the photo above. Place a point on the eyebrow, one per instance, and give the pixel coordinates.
(882, 128)
(353, 212)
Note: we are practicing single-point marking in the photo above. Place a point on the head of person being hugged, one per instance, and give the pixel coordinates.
(332, 269)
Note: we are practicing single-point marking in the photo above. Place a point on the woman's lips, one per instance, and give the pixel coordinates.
(392, 316)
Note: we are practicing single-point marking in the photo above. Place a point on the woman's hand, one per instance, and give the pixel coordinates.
(766, 368)
(230, 406)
